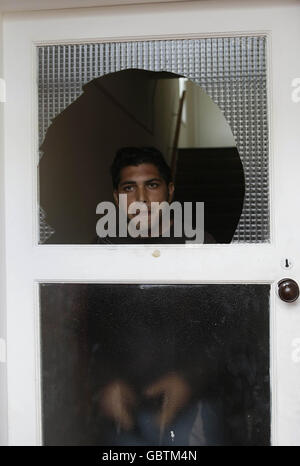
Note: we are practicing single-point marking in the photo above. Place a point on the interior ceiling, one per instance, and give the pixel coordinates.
(27, 5)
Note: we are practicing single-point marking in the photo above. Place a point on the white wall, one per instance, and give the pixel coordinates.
(3, 388)
(205, 125)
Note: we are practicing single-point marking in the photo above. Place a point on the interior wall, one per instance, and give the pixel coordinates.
(80, 145)
(137, 109)
(205, 125)
(166, 108)
(3, 380)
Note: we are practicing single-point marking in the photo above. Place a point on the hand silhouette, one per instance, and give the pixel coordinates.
(117, 401)
(176, 393)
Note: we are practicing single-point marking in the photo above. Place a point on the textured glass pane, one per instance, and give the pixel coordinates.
(155, 364)
(231, 70)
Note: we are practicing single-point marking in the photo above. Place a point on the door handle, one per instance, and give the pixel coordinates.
(288, 290)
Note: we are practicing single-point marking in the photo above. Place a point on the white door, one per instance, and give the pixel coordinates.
(241, 263)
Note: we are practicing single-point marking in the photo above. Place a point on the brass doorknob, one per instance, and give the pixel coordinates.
(288, 290)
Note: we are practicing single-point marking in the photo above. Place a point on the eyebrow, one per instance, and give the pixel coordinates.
(134, 182)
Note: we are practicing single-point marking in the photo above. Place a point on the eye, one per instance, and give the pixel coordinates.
(153, 185)
(128, 188)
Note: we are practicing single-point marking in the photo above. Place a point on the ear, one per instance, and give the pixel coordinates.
(116, 197)
(171, 189)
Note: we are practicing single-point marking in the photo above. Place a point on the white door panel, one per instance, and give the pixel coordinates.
(28, 263)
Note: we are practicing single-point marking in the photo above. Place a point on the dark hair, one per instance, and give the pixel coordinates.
(127, 156)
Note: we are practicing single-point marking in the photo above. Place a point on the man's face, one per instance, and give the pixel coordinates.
(143, 183)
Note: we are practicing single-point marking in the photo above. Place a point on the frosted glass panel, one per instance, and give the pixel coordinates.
(155, 364)
(231, 70)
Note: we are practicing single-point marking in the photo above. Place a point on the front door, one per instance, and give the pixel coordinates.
(89, 321)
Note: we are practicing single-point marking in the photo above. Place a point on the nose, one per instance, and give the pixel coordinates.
(141, 195)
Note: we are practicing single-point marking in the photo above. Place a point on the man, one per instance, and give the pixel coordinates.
(143, 175)
(151, 367)
(149, 391)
